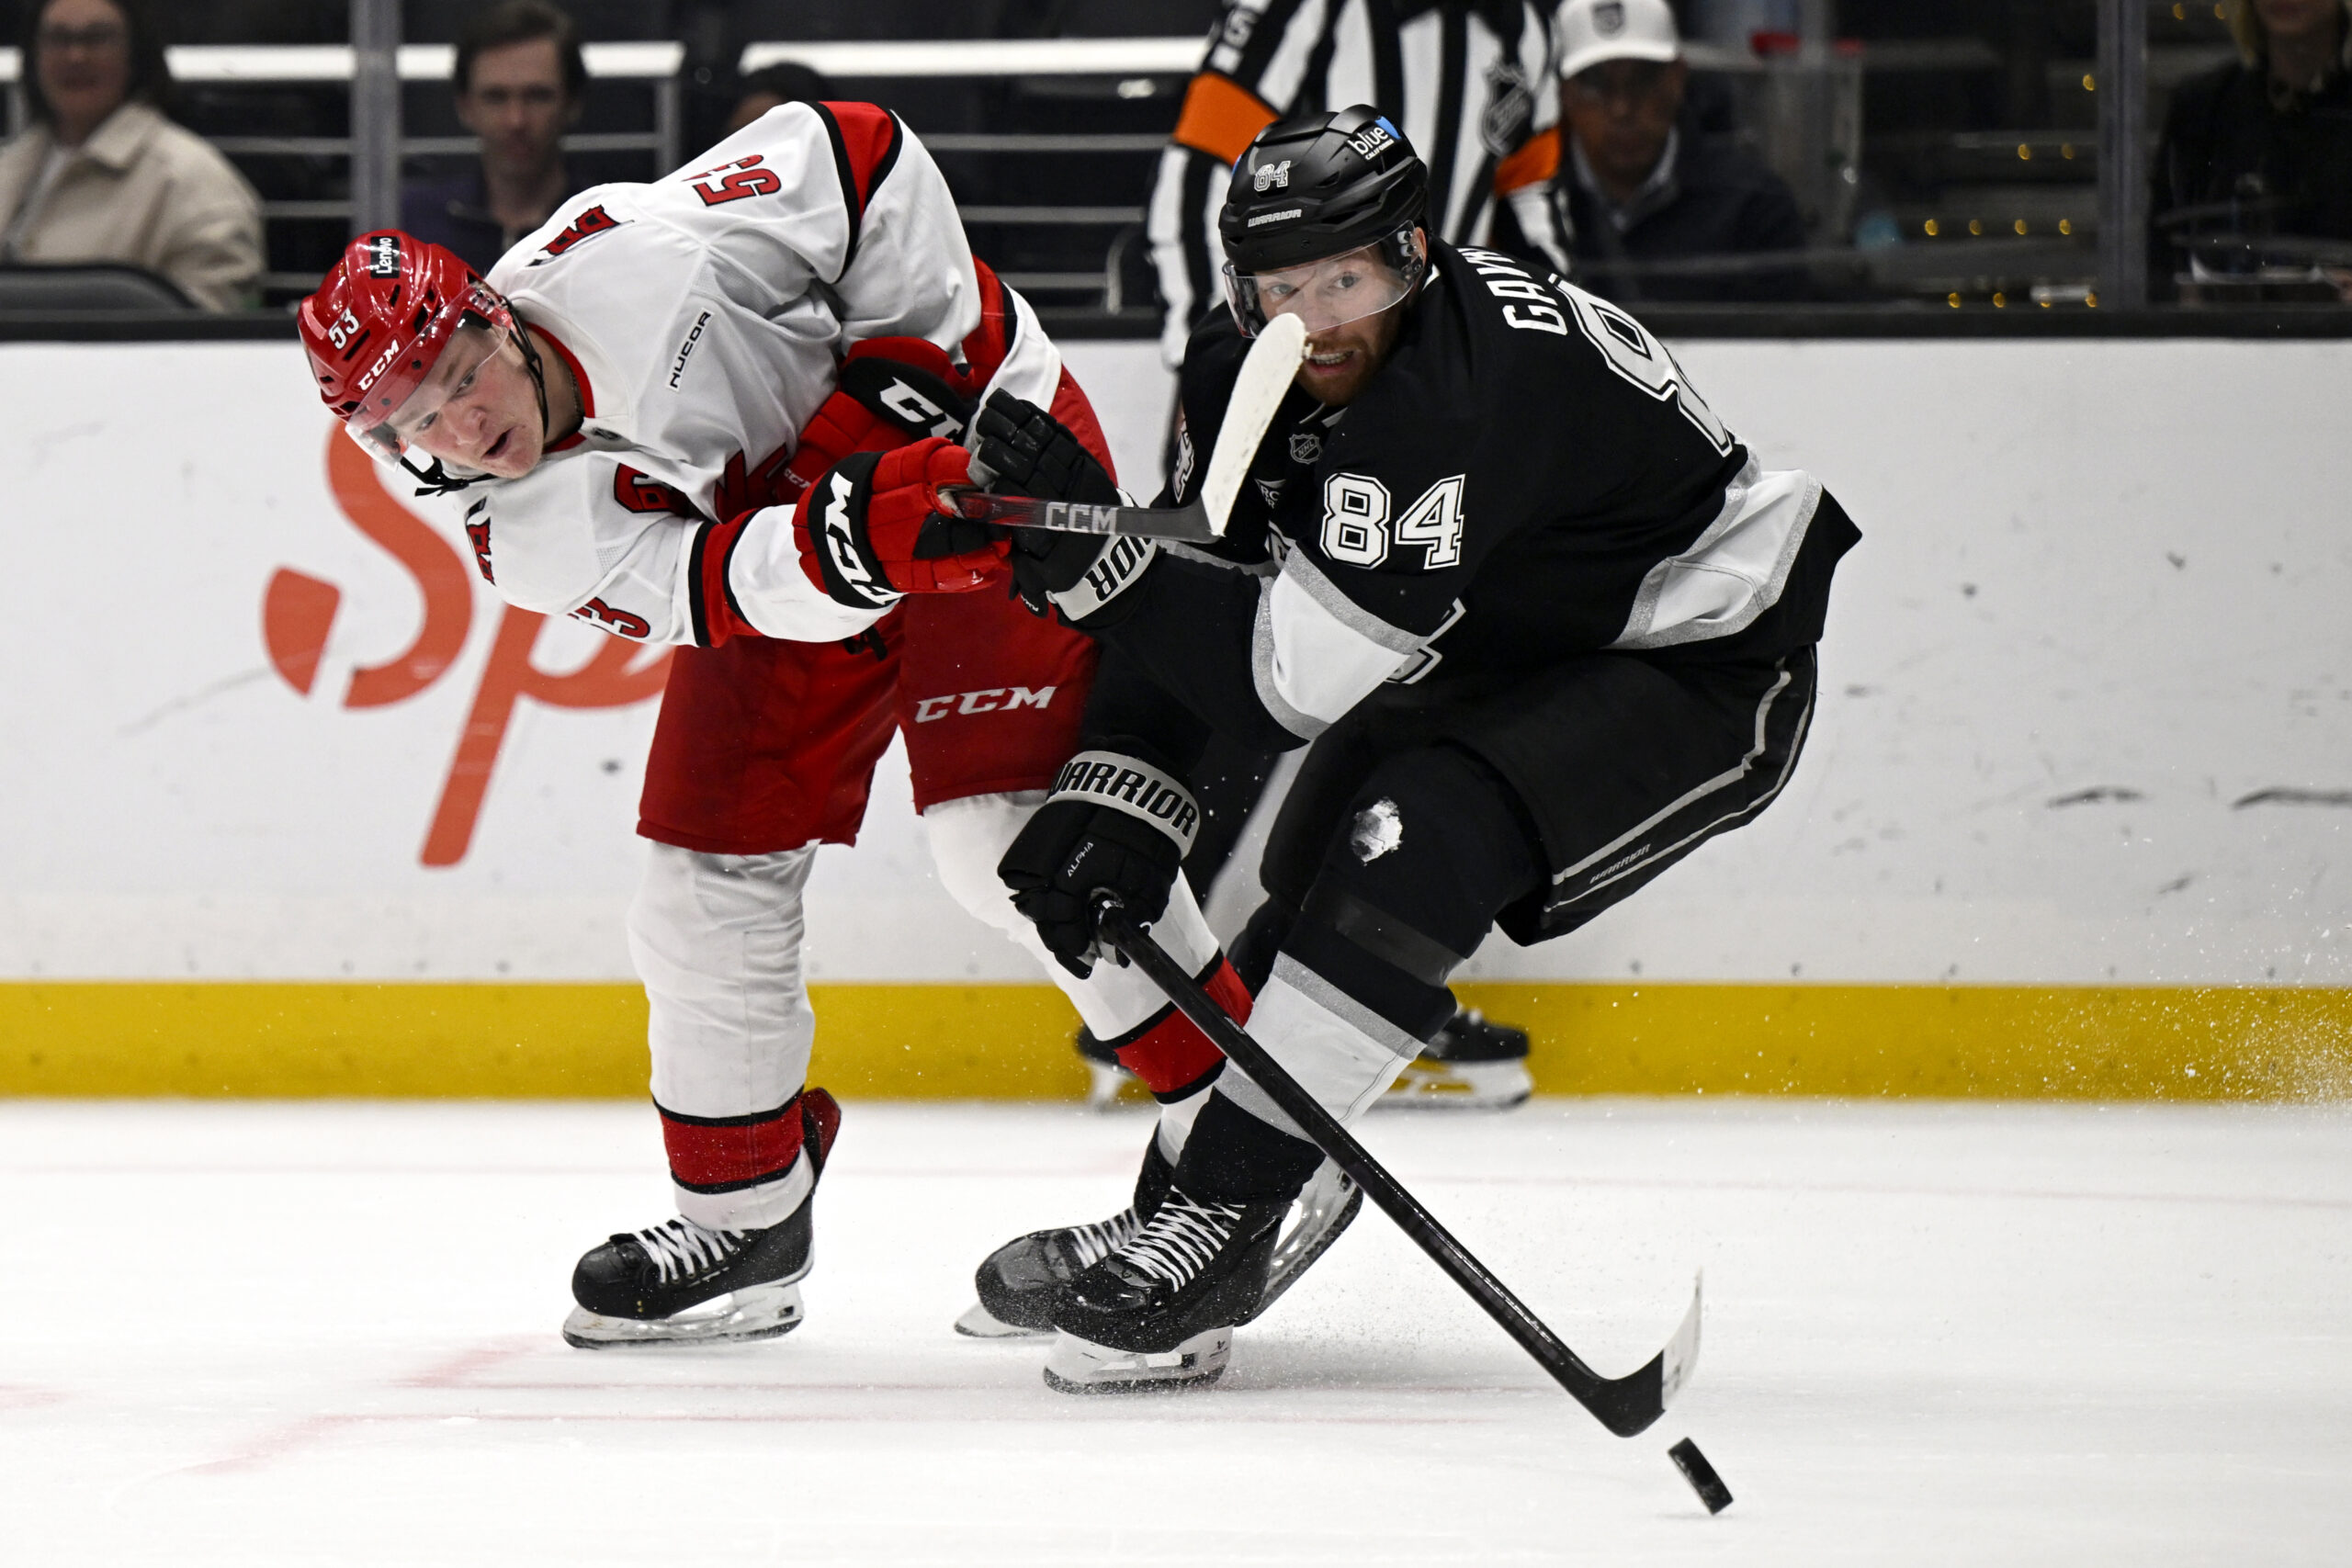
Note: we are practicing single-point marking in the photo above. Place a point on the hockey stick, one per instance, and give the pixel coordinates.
(1266, 374)
(1625, 1406)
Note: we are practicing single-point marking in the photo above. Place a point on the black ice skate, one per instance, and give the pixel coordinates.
(1022, 1284)
(684, 1284)
(1474, 1063)
(1158, 1312)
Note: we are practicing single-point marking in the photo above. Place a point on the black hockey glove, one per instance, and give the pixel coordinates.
(1112, 824)
(1032, 452)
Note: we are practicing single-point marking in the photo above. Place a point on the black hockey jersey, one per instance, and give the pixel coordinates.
(1529, 476)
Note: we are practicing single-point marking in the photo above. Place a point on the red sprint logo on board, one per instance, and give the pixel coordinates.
(299, 614)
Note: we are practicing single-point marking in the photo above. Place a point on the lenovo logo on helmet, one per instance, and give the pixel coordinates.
(1267, 174)
(384, 257)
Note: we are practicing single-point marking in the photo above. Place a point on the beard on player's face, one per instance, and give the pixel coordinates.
(1340, 361)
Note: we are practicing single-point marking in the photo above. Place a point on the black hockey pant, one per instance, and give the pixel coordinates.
(1432, 811)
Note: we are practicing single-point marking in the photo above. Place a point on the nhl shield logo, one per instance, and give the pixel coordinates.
(1270, 175)
(1305, 447)
(1510, 109)
(1609, 17)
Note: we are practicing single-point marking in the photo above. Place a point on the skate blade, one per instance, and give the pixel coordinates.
(1079, 1366)
(1460, 1086)
(761, 1312)
(1328, 1206)
(978, 1323)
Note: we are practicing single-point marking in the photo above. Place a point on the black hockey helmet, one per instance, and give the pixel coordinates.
(1319, 186)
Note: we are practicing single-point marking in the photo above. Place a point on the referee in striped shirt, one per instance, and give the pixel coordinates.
(1469, 82)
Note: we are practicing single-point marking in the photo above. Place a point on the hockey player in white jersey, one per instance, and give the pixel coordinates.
(637, 415)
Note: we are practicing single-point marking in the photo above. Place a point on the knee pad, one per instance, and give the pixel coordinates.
(1433, 846)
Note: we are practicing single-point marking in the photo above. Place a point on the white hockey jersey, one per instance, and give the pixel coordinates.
(704, 316)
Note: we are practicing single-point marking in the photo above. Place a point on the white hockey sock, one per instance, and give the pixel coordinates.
(1341, 1051)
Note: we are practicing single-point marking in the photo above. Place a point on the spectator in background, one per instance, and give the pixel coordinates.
(521, 85)
(1645, 190)
(2255, 162)
(775, 87)
(101, 175)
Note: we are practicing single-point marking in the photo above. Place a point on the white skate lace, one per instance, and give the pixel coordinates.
(1089, 1245)
(680, 1247)
(1181, 1238)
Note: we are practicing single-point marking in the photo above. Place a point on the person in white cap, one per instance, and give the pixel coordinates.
(1658, 210)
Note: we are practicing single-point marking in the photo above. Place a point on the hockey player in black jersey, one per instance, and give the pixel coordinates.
(1547, 623)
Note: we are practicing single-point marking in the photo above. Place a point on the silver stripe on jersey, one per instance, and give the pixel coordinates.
(1735, 571)
(1346, 611)
(1314, 653)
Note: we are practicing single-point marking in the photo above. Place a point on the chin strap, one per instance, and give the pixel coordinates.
(440, 479)
(538, 377)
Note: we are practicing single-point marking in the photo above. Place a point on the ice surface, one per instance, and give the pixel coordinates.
(326, 1334)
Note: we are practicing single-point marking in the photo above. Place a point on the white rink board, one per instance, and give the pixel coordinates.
(2113, 567)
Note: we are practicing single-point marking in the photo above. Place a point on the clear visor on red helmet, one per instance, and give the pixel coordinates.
(1330, 292)
(408, 395)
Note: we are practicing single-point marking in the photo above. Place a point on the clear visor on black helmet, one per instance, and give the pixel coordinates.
(1330, 292)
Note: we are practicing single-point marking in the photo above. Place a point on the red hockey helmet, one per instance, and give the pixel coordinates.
(379, 321)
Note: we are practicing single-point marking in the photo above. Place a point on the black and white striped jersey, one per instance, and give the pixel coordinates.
(1469, 82)
(1529, 478)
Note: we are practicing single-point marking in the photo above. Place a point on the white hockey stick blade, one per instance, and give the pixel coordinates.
(1267, 372)
(1680, 1357)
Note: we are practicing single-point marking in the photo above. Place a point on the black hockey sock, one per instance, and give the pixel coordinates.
(1233, 1157)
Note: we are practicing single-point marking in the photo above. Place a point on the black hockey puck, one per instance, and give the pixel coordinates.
(1701, 1475)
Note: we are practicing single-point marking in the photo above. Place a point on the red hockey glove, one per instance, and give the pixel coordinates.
(870, 530)
(913, 384)
(893, 390)
(843, 425)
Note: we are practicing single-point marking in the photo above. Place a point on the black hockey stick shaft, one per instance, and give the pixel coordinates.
(1625, 1406)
